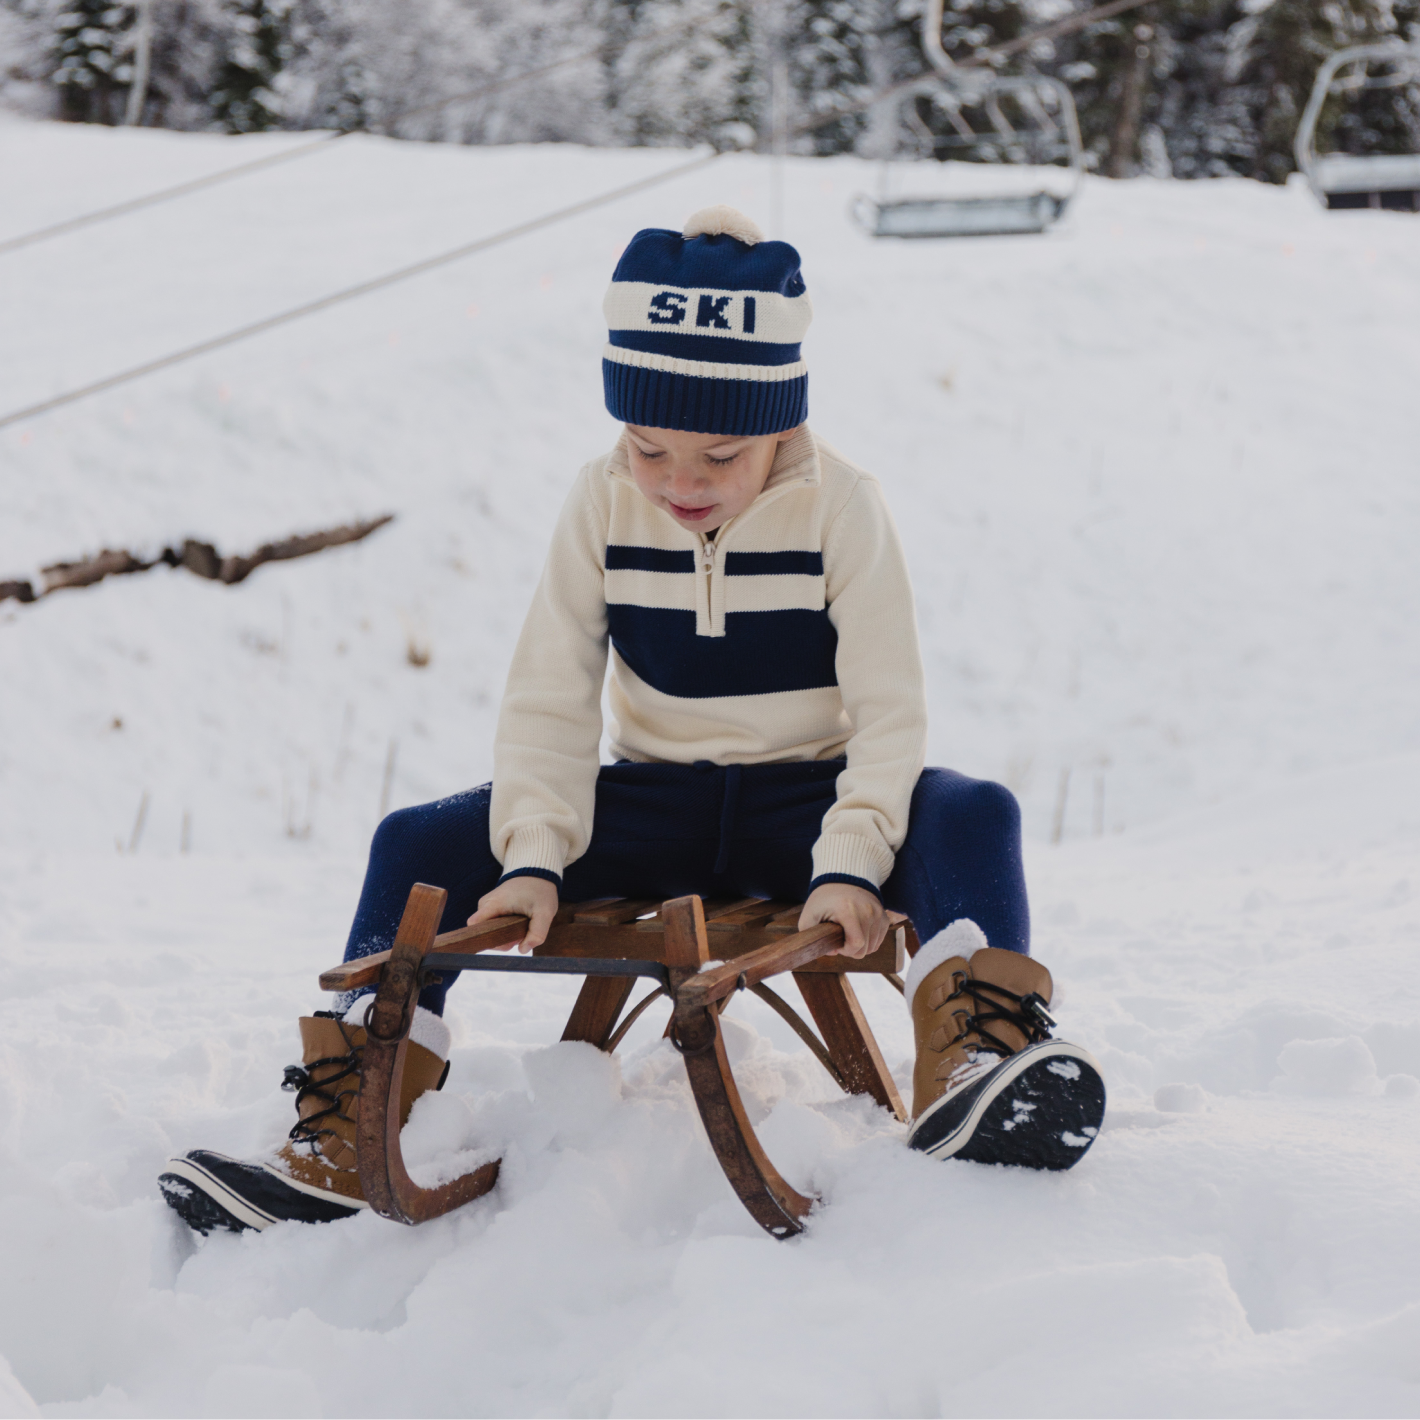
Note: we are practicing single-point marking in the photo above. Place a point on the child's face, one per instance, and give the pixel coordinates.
(701, 480)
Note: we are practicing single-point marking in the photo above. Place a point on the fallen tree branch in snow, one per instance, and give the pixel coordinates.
(91, 570)
(19, 591)
(200, 558)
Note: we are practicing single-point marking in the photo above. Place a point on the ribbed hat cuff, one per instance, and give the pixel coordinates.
(660, 399)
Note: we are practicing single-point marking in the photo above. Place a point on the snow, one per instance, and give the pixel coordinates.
(1156, 477)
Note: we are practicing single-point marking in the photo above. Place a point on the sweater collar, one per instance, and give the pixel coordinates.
(795, 462)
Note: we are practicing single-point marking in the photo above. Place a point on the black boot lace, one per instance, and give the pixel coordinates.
(994, 1003)
(311, 1128)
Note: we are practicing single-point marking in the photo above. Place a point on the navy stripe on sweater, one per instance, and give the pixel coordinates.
(622, 558)
(774, 564)
(761, 652)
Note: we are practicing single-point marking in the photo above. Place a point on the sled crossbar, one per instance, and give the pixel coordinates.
(699, 954)
(612, 929)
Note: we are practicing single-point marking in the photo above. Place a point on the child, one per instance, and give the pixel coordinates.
(769, 727)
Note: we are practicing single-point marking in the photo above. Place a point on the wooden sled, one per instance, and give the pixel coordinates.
(611, 942)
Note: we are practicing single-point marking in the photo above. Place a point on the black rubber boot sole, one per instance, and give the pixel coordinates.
(198, 1209)
(209, 1191)
(1039, 1109)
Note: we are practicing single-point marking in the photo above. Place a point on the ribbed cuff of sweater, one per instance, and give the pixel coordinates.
(845, 855)
(537, 849)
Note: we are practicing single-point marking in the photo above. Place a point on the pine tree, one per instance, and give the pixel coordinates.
(683, 71)
(92, 54)
(843, 52)
(245, 99)
(969, 26)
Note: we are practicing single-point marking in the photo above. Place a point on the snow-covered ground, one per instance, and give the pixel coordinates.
(1157, 477)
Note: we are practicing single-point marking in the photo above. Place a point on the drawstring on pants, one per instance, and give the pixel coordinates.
(729, 777)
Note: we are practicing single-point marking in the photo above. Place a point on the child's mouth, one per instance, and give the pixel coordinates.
(691, 515)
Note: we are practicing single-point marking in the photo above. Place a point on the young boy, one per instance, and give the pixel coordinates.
(769, 725)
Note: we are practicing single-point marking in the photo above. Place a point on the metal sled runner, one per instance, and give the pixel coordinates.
(612, 942)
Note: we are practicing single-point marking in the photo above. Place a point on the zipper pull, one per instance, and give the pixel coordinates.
(707, 556)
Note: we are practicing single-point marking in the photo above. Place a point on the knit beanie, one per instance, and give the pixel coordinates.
(705, 326)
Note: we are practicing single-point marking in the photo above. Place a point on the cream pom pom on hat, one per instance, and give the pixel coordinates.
(705, 327)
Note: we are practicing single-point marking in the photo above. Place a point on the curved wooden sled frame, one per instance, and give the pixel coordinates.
(672, 946)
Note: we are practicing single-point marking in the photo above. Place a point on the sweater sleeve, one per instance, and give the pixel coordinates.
(879, 666)
(545, 755)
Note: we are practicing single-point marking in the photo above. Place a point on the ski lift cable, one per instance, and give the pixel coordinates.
(119, 209)
(350, 293)
(182, 189)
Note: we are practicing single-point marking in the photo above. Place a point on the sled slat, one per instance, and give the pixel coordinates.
(568, 911)
(619, 910)
(754, 913)
(715, 913)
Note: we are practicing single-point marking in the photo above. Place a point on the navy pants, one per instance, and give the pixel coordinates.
(666, 830)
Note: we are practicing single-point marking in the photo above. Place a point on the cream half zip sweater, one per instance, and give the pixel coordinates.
(790, 635)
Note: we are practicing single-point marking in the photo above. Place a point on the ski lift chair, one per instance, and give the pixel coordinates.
(1346, 180)
(1049, 129)
(696, 954)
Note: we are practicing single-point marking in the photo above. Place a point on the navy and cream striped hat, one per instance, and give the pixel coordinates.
(705, 326)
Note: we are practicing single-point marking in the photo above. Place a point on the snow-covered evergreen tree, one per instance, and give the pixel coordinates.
(27, 56)
(258, 48)
(93, 52)
(189, 39)
(845, 51)
(683, 71)
(567, 104)
(437, 69)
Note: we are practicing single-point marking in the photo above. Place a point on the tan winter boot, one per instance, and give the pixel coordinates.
(989, 1083)
(313, 1177)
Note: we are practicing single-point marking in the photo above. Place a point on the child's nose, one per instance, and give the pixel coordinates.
(686, 478)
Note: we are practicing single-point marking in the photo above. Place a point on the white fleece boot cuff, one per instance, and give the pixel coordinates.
(428, 1029)
(959, 939)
